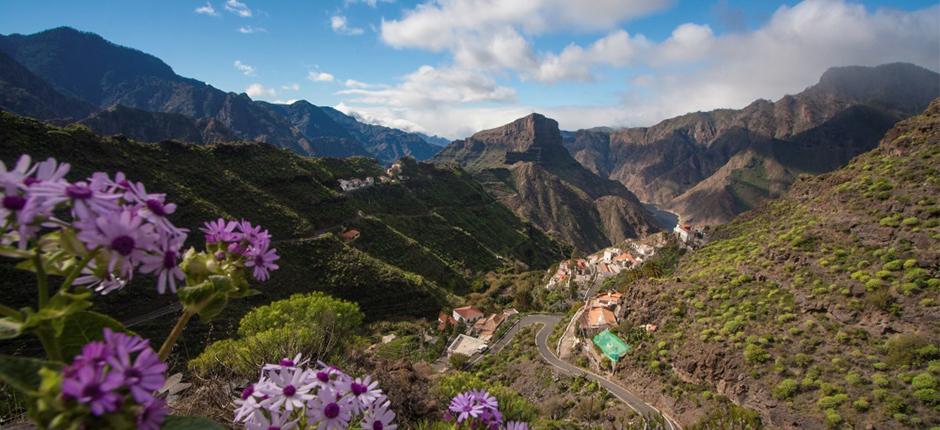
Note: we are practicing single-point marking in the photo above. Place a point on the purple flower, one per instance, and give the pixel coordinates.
(103, 286)
(152, 415)
(142, 376)
(89, 199)
(379, 417)
(152, 207)
(49, 171)
(330, 410)
(278, 421)
(483, 398)
(289, 388)
(517, 425)
(261, 260)
(16, 177)
(465, 406)
(364, 390)
(124, 234)
(254, 235)
(165, 262)
(93, 387)
(219, 230)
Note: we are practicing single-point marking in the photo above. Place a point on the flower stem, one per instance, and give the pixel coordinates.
(42, 281)
(49, 343)
(175, 334)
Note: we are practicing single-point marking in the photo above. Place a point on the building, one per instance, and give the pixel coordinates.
(350, 235)
(354, 184)
(683, 232)
(485, 328)
(626, 260)
(444, 321)
(466, 345)
(467, 314)
(610, 253)
(612, 346)
(596, 319)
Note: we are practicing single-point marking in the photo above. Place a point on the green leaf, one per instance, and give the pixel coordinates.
(59, 308)
(10, 328)
(23, 373)
(174, 422)
(83, 327)
(208, 298)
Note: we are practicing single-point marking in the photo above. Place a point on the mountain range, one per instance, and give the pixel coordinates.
(66, 75)
(710, 166)
(525, 166)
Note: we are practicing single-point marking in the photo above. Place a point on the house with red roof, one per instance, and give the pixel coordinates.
(467, 314)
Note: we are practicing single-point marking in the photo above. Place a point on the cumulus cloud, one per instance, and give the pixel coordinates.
(238, 8)
(246, 69)
(247, 29)
(320, 77)
(371, 3)
(340, 25)
(206, 10)
(692, 69)
(291, 87)
(258, 91)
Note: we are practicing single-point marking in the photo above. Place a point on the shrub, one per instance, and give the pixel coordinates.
(754, 353)
(860, 405)
(827, 402)
(785, 389)
(924, 380)
(910, 349)
(833, 417)
(927, 395)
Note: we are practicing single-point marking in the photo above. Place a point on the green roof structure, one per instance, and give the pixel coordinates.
(611, 345)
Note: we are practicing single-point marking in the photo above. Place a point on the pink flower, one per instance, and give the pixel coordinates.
(219, 230)
(261, 260)
(165, 262)
(124, 235)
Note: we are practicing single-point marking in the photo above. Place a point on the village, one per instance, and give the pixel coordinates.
(392, 175)
(593, 331)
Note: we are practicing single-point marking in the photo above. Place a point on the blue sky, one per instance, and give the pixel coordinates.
(454, 66)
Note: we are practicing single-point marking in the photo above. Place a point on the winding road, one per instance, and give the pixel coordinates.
(548, 323)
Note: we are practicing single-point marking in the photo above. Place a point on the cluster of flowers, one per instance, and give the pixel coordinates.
(479, 409)
(125, 227)
(116, 376)
(289, 395)
(242, 240)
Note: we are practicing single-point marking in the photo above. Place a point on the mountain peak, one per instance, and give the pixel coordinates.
(533, 130)
(903, 87)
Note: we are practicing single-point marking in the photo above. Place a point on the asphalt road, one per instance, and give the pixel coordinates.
(548, 323)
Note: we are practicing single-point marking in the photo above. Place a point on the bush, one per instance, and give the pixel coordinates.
(923, 380)
(315, 325)
(755, 354)
(833, 417)
(827, 402)
(927, 395)
(860, 405)
(785, 389)
(458, 361)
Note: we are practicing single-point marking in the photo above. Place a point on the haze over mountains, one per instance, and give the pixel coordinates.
(81, 73)
(711, 166)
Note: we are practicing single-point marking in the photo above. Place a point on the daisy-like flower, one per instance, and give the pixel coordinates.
(16, 177)
(466, 407)
(122, 343)
(48, 171)
(93, 387)
(288, 388)
(254, 235)
(329, 410)
(152, 415)
(278, 421)
(152, 206)
(89, 199)
(165, 262)
(364, 391)
(261, 261)
(124, 234)
(517, 425)
(485, 399)
(379, 417)
(287, 363)
(219, 230)
(100, 285)
(142, 375)
(247, 406)
(330, 377)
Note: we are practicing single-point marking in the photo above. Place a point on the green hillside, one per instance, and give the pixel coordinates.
(821, 308)
(421, 239)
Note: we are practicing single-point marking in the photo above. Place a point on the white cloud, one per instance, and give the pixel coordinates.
(246, 69)
(206, 10)
(340, 25)
(247, 29)
(429, 87)
(320, 77)
(285, 102)
(371, 3)
(238, 8)
(291, 87)
(258, 91)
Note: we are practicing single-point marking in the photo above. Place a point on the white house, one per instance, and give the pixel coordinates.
(466, 345)
(467, 314)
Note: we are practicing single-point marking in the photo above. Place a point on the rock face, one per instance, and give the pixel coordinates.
(525, 165)
(693, 165)
(74, 74)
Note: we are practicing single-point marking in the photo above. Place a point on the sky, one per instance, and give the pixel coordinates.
(453, 67)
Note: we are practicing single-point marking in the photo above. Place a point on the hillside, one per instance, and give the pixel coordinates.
(76, 70)
(819, 309)
(526, 167)
(693, 164)
(403, 264)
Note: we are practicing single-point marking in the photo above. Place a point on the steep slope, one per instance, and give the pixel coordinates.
(156, 126)
(22, 91)
(815, 131)
(819, 309)
(404, 262)
(86, 67)
(526, 167)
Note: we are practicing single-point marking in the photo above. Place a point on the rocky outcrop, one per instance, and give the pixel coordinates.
(525, 165)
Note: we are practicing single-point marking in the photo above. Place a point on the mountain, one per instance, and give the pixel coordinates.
(387, 144)
(86, 67)
(756, 152)
(434, 140)
(404, 262)
(151, 126)
(22, 91)
(818, 309)
(526, 167)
